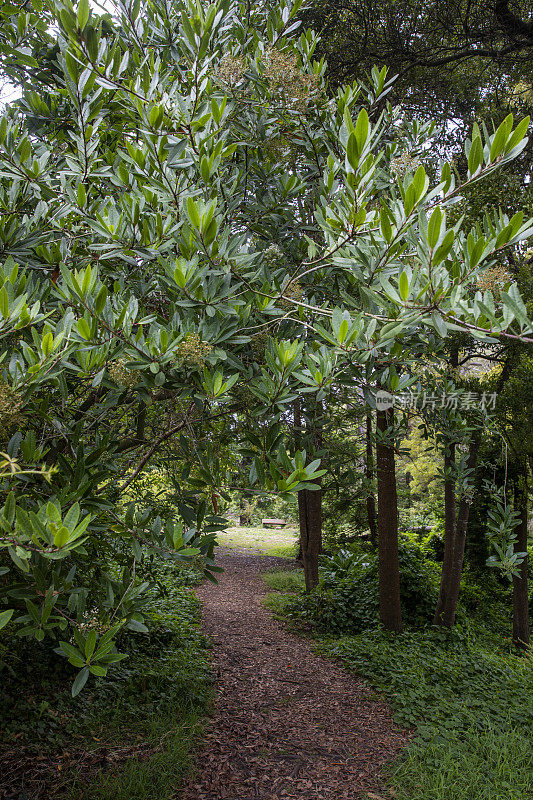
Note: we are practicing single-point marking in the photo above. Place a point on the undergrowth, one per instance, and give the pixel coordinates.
(284, 580)
(472, 709)
(130, 735)
(467, 693)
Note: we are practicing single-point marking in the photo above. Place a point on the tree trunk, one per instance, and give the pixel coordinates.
(521, 628)
(390, 609)
(309, 513)
(370, 499)
(449, 515)
(449, 532)
(456, 569)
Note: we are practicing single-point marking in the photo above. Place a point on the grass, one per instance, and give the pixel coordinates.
(471, 764)
(285, 583)
(288, 580)
(157, 777)
(266, 541)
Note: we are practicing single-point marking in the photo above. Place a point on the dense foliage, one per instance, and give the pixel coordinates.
(211, 263)
(132, 734)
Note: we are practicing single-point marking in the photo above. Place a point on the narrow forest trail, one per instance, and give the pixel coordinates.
(287, 723)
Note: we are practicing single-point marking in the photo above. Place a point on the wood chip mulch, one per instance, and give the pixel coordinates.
(288, 723)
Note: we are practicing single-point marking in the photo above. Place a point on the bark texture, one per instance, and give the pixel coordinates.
(390, 610)
(310, 516)
(456, 566)
(370, 499)
(309, 512)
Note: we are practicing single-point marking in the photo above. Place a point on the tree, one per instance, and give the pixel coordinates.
(182, 188)
(453, 59)
(390, 610)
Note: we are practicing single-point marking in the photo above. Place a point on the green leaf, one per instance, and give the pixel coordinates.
(72, 653)
(61, 536)
(72, 66)
(501, 137)
(137, 625)
(444, 248)
(80, 681)
(475, 156)
(9, 508)
(83, 328)
(193, 213)
(101, 299)
(90, 644)
(87, 276)
(4, 302)
(83, 13)
(446, 177)
(72, 516)
(518, 134)
(343, 330)
(439, 324)
(361, 129)
(515, 304)
(434, 227)
(352, 152)
(5, 616)
(410, 199)
(403, 286)
(81, 195)
(385, 225)
(420, 182)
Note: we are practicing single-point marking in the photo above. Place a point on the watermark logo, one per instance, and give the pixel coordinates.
(384, 400)
(418, 401)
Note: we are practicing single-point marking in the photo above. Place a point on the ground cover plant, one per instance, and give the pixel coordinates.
(466, 693)
(471, 707)
(130, 736)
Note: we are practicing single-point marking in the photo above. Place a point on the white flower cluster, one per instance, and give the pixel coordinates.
(121, 375)
(404, 163)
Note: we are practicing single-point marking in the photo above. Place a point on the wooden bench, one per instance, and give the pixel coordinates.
(273, 523)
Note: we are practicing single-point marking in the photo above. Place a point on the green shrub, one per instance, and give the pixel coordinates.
(156, 696)
(346, 600)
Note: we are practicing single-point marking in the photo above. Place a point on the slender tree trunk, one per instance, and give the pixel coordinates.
(309, 514)
(370, 499)
(450, 512)
(521, 628)
(298, 446)
(449, 531)
(390, 609)
(452, 594)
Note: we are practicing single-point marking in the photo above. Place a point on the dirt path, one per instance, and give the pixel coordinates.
(288, 724)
